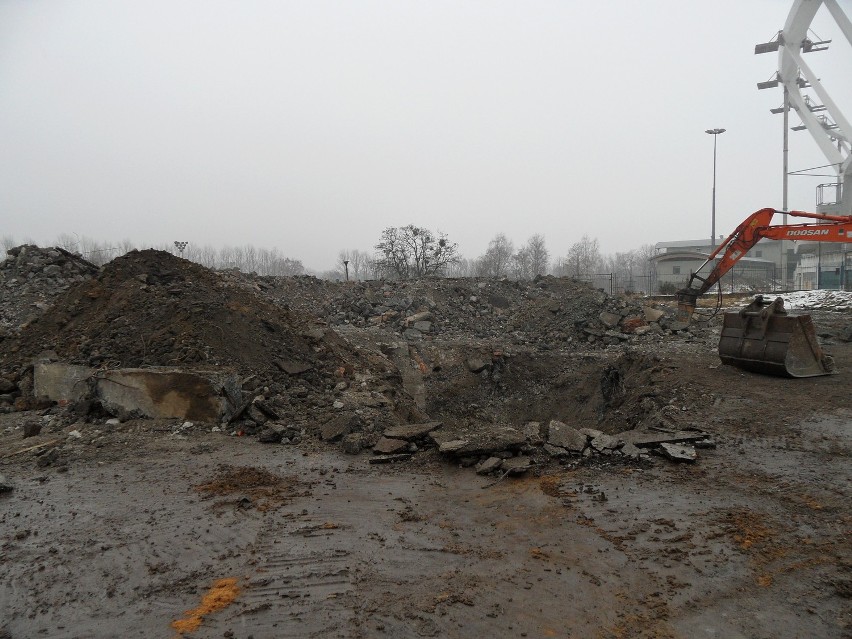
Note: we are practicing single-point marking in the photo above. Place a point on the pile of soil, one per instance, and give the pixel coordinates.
(151, 308)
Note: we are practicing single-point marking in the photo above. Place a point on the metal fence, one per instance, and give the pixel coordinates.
(740, 279)
(836, 277)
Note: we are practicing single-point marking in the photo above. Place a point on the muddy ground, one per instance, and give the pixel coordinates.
(125, 531)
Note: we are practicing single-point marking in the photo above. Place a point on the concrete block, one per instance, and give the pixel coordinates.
(610, 320)
(165, 393)
(411, 432)
(562, 435)
(653, 314)
(60, 382)
(387, 446)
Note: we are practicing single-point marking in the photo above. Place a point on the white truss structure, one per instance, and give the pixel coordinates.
(830, 129)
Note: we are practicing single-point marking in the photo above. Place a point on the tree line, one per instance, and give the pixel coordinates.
(411, 251)
(248, 258)
(401, 253)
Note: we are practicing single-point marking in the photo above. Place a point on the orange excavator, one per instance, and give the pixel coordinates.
(763, 337)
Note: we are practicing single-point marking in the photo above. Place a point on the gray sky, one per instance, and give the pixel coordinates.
(311, 126)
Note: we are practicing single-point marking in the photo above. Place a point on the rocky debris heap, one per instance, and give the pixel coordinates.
(498, 449)
(150, 308)
(30, 280)
(547, 312)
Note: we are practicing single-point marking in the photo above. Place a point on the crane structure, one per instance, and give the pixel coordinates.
(825, 122)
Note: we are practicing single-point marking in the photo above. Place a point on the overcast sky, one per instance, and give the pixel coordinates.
(311, 126)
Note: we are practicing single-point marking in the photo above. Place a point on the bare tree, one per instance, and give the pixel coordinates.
(463, 267)
(583, 258)
(539, 256)
(531, 260)
(497, 258)
(411, 251)
(68, 242)
(7, 242)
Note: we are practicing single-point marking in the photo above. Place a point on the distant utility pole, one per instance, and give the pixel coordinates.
(715, 133)
(180, 246)
(346, 268)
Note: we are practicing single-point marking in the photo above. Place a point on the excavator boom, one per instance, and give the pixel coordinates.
(830, 228)
(762, 337)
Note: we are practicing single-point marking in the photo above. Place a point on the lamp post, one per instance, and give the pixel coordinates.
(715, 133)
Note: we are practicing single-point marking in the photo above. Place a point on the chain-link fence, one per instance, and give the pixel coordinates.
(745, 279)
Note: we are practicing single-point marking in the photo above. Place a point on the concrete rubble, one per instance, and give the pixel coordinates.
(133, 340)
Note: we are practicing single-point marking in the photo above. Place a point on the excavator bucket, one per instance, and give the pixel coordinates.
(763, 338)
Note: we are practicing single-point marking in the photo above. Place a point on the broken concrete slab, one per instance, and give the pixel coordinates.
(61, 382)
(555, 451)
(564, 436)
(352, 444)
(452, 446)
(516, 465)
(653, 314)
(411, 432)
(388, 446)
(591, 432)
(483, 439)
(533, 431)
(631, 451)
(610, 320)
(163, 393)
(272, 434)
(604, 442)
(489, 465)
(678, 452)
(649, 439)
(336, 428)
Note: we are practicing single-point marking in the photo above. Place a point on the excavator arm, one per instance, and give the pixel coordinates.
(829, 228)
(762, 337)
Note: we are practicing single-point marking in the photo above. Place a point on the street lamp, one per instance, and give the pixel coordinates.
(715, 133)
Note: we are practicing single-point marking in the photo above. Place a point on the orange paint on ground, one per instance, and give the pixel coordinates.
(221, 595)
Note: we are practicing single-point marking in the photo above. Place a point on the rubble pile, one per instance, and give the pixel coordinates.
(471, 368)
(549, 311)
(30, 280)
(152, 309)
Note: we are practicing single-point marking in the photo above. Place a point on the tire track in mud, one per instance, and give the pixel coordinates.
(301, 582)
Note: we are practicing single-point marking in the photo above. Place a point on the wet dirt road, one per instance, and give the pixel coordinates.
(753, 541)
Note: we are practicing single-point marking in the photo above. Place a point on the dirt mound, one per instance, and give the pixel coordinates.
(150, 308)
